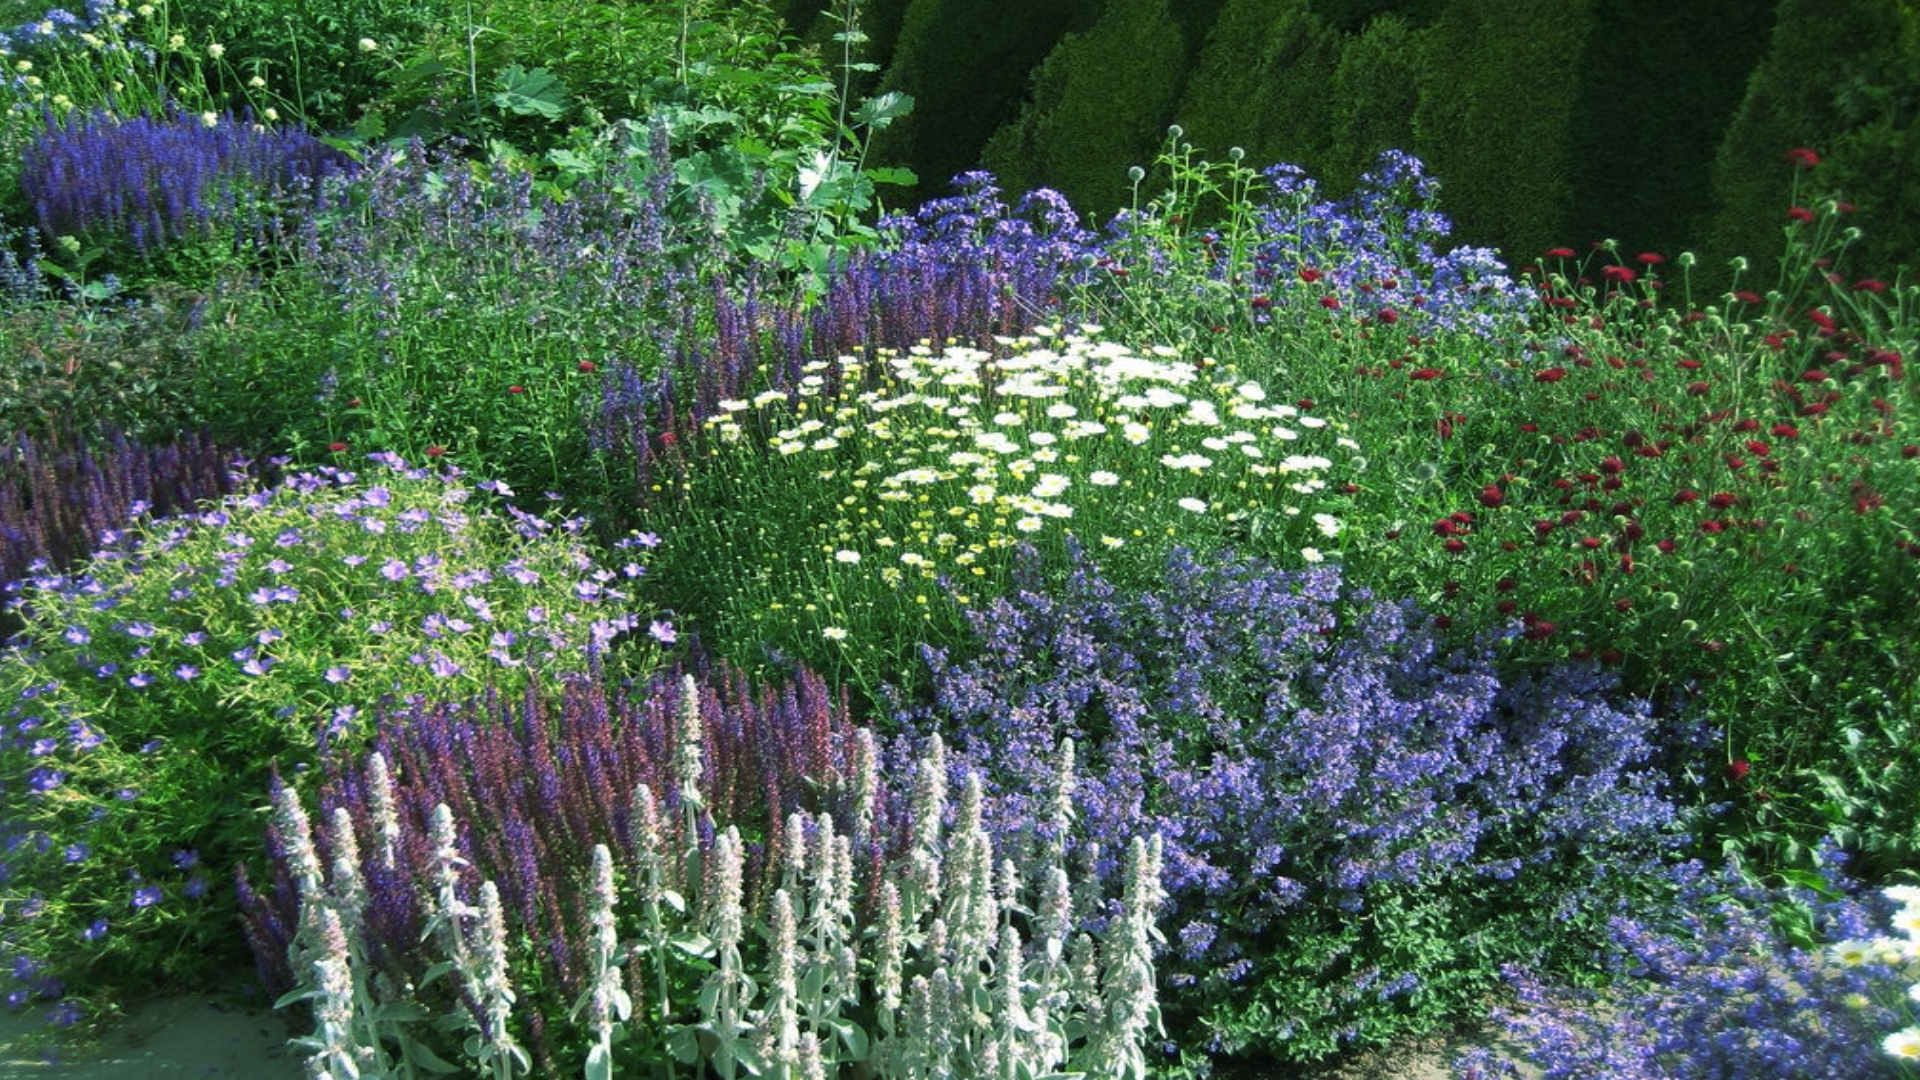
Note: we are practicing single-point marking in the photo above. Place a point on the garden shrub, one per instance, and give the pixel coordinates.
(1097, 105)
(153, 688)
(1496, 78)
(1361, 826)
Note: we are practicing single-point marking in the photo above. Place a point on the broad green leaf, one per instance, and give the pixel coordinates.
(878, 112)
(531, 93)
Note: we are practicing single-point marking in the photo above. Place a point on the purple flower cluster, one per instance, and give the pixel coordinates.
(1714, 987)
(1312, 758)
(56, 26)
(61, 501)
(152, 181)
(1378, 251)
(535, 781)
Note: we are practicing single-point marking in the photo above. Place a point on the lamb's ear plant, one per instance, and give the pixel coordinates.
(821, 973)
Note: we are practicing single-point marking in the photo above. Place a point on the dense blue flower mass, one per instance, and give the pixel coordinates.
(1310, 755)
(149, 181)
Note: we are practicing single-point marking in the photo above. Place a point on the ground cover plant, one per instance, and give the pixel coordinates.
(197, 649)
(1402, 619)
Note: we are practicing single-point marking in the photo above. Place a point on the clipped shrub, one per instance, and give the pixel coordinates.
(1098, 104)
(1361, 827)
(690, 879)
(153, 688)
(1497, 77)
(1796, 982)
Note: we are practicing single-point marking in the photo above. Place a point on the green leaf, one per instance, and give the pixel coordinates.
(878, 112)
(892, 175)
(531, 93)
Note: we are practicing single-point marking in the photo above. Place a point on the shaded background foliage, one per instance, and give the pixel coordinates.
(1657, 125)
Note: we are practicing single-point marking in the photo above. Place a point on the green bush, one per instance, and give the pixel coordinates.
(1101, 100)
(1496, 118)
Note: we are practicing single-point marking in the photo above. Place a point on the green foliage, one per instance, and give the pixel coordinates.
(161, 681)
(1100, 101)
(125, 365)
(966, 63)
(1262, 84)
(1658, 84)
(1376, 93)
(1496, 83)
(1840, 81)
(312, 54)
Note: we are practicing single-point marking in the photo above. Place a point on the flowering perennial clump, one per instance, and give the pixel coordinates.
(863, 927)
(150, 181)
(1719, 988)
(876, 477)
(1325, 775)
(156, 683)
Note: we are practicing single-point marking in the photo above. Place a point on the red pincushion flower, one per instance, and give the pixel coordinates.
(1309, 275)
(1621, 274)
(1331, 303)
(1648, 258)
(1425, 374)
(1558, 253)
(436, 451)
(337, 447)
(1721, 500)
(1737, 770)
(1455, 546)
(1262, 303)
(1802, 158)
(1755, 446)
(1551, 375)
(1814, 375)
(1872, 285)
(1784, 431)
(1388, 316)
(1684, 496)
(587, 366)
(516, 389)
(1446, 527)
(1800, 214)
(1491, 496)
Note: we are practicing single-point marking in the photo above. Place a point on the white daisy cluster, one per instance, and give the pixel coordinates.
(1904, 1045)
(951, 453)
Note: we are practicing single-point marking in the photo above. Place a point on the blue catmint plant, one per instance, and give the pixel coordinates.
(1360, 825)
(1724, 979)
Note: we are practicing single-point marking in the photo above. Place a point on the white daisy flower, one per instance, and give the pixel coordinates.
(1194, 505)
